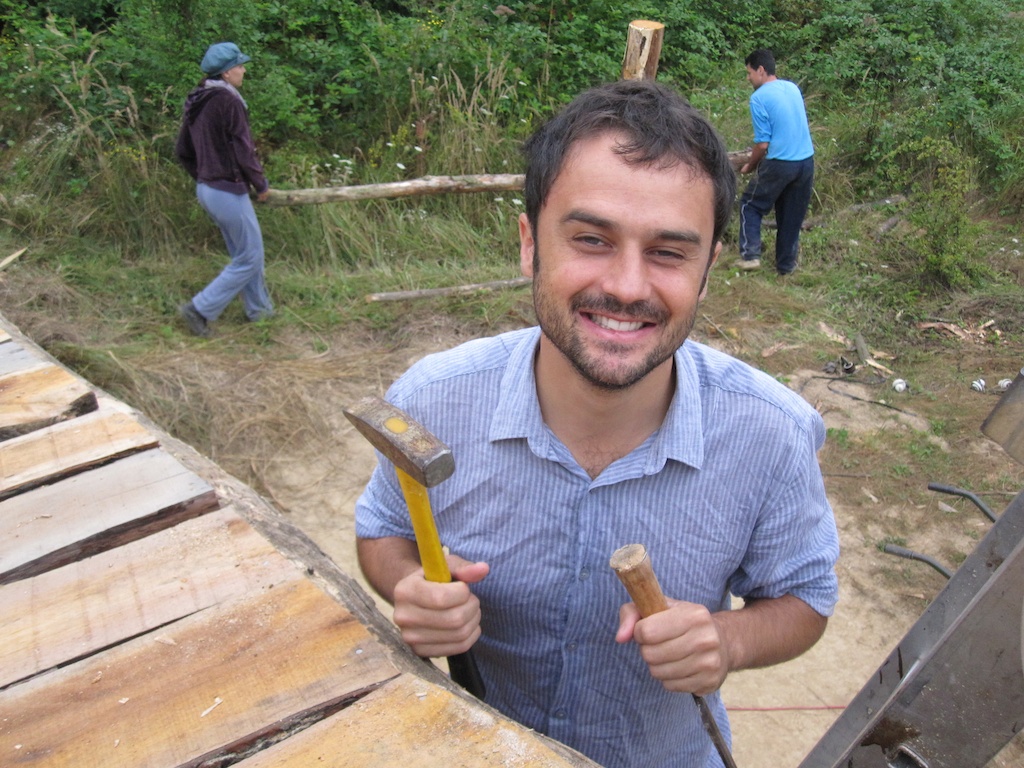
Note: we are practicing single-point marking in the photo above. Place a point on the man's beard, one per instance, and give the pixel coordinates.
(562, 331)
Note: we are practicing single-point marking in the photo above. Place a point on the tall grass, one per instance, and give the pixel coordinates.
(88, 173)
(451, 128)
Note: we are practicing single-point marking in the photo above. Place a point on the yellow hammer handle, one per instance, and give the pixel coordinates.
(435, 567)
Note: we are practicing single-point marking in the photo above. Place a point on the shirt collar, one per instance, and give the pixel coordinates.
(518, 411)
(682, 432)
(680, 438)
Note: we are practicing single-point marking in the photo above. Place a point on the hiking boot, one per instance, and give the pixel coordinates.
(195, 322)
(748, 264)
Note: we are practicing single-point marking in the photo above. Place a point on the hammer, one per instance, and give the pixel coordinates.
(421, 461)
(636, 573)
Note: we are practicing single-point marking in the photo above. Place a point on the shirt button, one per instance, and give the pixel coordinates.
(584, 574)
(560, 714)
(572, 646)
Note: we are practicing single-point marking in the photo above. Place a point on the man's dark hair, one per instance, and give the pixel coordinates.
(658, 127)
(762, 57)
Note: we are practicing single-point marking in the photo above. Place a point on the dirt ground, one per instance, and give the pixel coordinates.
(777, 714)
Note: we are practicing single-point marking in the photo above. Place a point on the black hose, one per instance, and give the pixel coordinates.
(893, 549)
(966, 494)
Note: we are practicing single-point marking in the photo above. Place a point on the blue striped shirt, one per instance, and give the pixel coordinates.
(727, 497)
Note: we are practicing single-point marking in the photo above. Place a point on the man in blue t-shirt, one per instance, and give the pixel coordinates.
(783, 157)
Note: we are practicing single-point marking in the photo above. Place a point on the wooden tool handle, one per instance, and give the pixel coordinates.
(633, 567)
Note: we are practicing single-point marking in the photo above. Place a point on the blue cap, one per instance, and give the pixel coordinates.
(220, 57)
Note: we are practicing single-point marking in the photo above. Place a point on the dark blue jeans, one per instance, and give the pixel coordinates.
(786, 185)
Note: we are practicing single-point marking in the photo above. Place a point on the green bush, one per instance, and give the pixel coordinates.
(944, 69)
(940, 244)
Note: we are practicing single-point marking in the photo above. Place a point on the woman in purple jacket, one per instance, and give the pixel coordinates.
(215, 146)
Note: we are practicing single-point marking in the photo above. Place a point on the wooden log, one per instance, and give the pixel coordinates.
(894, 200)
(96, 511)
(222, 681)
(67, 448)
(887, 226)
(12, 257)
(739, 159)
(515, 282)
(80, 609)
(428, 185)
(643, 50)
(41, 396)
(448, 731)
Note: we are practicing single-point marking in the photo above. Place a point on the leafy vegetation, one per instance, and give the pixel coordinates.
(336, 74)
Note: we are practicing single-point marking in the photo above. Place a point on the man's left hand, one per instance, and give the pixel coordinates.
(684, 647)
(690, 649)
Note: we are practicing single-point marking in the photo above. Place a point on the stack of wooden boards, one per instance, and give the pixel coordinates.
(156, 612)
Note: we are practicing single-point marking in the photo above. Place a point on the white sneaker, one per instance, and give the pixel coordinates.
(748, 264)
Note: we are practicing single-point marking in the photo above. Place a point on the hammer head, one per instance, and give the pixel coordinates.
(405, 442)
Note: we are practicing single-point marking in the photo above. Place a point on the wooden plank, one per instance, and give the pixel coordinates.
(212, 684)
(69, 447)
(14, 357)
(77, 610)
(97, 510)
(413, 724)
(41, 396)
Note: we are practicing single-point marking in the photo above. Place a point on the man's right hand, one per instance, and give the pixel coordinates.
(440, 619)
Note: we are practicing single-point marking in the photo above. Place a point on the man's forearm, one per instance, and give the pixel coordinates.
(387, 561)
(766, 632)
(757, 153)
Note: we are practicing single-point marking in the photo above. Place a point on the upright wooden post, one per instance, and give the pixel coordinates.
(643, 49)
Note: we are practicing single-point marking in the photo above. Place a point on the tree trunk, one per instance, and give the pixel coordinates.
(428, 185)
(643, 50)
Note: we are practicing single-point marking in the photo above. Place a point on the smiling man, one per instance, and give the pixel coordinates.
(606, 426)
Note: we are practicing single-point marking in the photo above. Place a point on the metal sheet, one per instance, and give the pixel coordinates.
(952, 691)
